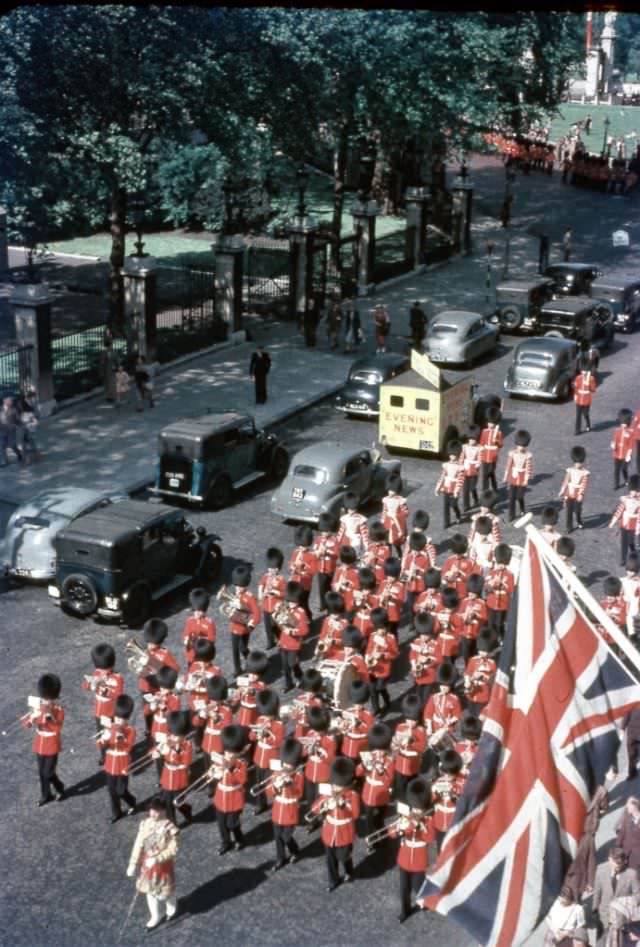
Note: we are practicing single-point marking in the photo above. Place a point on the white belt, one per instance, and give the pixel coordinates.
(229, 788)
(120, 753)
(361, 735)
(410, 844)
(375, 782)
(408, 753)
(333, 821)
(285, 801)
(175, 766)
(46, 733)
(211, 730)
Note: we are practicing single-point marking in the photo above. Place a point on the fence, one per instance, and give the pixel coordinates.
(267, 282)
(190, 323)
(391, 259)
(15, 369)
(78, 361)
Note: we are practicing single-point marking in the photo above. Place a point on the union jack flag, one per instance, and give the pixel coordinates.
(548, 740)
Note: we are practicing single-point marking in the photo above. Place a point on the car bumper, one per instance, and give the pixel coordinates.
(292, 512)
(36, 575)
(357, 408)
(192, 497)
(526, 392)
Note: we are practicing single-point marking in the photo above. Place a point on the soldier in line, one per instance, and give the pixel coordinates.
(48, 720)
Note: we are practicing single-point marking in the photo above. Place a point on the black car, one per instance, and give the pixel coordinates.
(578, 318)
(361, 394)
(621, 292)
(572, 279)
(116, 561)
(518, 303)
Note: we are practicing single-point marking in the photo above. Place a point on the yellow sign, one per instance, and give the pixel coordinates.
(426, 369)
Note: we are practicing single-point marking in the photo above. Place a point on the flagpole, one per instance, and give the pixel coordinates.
(579, 589)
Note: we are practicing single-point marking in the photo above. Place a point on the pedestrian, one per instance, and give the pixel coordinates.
(622, 448)
(631, 725)
(123, 382)
(587, 123)
(259, 368)
(417, 323)
(567, 244)
(505, 210)
(153, 858)
(584, 385)
(543, 253)
(311, 317)
(9, 430)
(382, 327)
(628, 832)
(108, 370)
(144, 383)
(28, 419)
(566, 922)
(581, 876)
(334, 322)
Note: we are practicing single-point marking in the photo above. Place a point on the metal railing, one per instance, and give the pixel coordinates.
(15, 369)
(78, 361)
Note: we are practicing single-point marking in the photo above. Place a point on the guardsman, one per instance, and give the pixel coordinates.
(482, 547)
(518, 472)
(245, 694)
(631, 592)
(416, 832)
(425, 655)
(303, 564)
(450, 482)
(378, 550)
(293, 627)
(345, 578)
(177, 755)
(459, 565)
(584, 385)
(376, 767)
(431, 599)
(352, 646)
(285, 791)
(153, 858)
(414, 564)
(116, 741)
(364, 600)
(326, 549)
(622, 448)
(635, 427)
(549, 518)
(391, 592)
(488, 499)
(467, 744)
(381, 651)
(471, 455)
(480, 672)
(409, 743)
(329, 646)
(216, 714)
(104, 682)
(446, 790)
(443, 709)
(320, 748)
(449, 623)
(339, 807)
(48, 719)
(474, 615)
(155, 632)
(614, 605)
(491, 442)
(565, 547)
(271, 589)
(268, 734)
(162, 703)
(312, 696)
(245, 616)
(229, 797)
(499, 585)
(194, 680)
(353, 529)
(627, 514)
(420, 524)
(197, 625)
(356, 721)
(395, 512)
(574, 487)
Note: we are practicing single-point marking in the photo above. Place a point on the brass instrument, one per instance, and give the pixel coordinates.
(374, 657)
(282, 616)
(232, 607)
(477, 679)
(360, 596)
(138, 765)
(215, 771)
(402, 741)
(246, 687)
(298, 566)
(96, 685)
(196, 681)
(262, 729)
(277, 779)
(105, 730)
(140, 660)
(344, 585)
(372, 763)
(311, 744)
(444, 790)
(332, 800)
(441, 738)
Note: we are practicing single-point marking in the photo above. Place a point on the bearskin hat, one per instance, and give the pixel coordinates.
(420, 520)
(155, 631)
(274, 558)
(241, 576)
(268, 702)
(417, 541)
(412, 707)
(502, 554)
(424, 623)
(103, 656)
(311, 680)
(450, 762)
(234, 738)
(565, 546)
(334, 602)
(303, 536)
(318, 718)
(199, 600)
(612, 586)
(350, 501)
(366, 578)
(454, 447)
(123, 706)
(348, 555)
(483, 525)
(359, 692)
(179, 722)
(205, 649)
(578, 454)
(470, 727)
(392, 567)
(450, 598)
(432, 579)
(294, 593)
(523, 438)
(379, 617)
(291, 752)
(343, 771)
(217, 688)
(351, 637)
(326, 523)
(377, 532)
(166, 677)
(49, 687)
(494, 415)
(549, 516)
(475, 583)
(459, 544)
(257, 662)
(418, 793)
(380, 736)
(447, 673)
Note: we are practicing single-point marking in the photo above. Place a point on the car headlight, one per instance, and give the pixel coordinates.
(112, 602)
(53, 591)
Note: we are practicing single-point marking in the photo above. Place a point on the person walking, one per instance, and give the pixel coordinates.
(8, 430)
(153, 859)
(311, 318)
(108, 370)
(352, 327)
(382, 327)
(28, 420)
(567, 245)
(122, 384)
(258, 370)
(417, 324)
(334, 321)
(144, 383)
(543, 253)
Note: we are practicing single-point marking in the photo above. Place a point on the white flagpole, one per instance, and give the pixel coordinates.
(580, 591)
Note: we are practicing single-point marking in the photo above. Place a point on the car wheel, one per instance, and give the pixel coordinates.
(279, 465)
(554, 334)
(211, 565)
(137, 608)
(564, 392)
(79, 595)
(510, 318)
(220, 493)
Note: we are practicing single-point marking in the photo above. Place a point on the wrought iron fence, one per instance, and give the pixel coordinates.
(191, 323)
(391, 259)
(267, 282)
(15, 369)
(78, 361)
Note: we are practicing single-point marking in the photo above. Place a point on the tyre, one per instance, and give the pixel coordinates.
(211, 565)
(564, 392)
(79, 595)
(279, 465)
(554, 334)
(220, 493)
(137, 608)
(511, 318)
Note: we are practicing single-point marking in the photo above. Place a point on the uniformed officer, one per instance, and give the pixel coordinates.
(395, 512)
(229, 798)
(627, 514)
(491, 442)
(584, 385)
(450, 482)
(271, 590)
(244, 618)
(574, 486)
(286, 791)
(105, 683)
(518, 472)
(197, 625)
(48, 720)
(116, 742)
(622, 447)
(416, 832)
(339, 807)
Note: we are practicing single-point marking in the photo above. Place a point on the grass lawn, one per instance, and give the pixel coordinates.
(624, 120)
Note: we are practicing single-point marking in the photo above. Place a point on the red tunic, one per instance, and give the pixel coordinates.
(456, 570)
(271, 590)
(118, 747)
(616, 609)
(416, 834)
(467, 750)
(441, 710)
(445, 792)
(451, 478)
(390, 596)
(303, 565)
(627, 513)
(318, 765)
(195, 628)
(269, 742)
(395, 514)
(483, 669)
(291, 636)
(163, 702)
(411, 742)
(194, 682)
(250, 605)
(383, 647)
(48, 721)
(622, 443)
(414, 564)
(574, 485)
(286, 795)
(491, 442)
(339, 826)
(230, 790)
(375, 557)
(345, 580)
(300, 711)
(519, 468)
(584, 386)
(158, 656)
(176, 763)
(499, 584)
(471, 454)
(246, 699)
(218, 716)
(362, 615)
(107, 685)
(378, 773)
(326, 549)
(360, 667)
(359, 722)
(450, 624)
(428, 601)
(425, 655)
(474, 614)
(331, 638)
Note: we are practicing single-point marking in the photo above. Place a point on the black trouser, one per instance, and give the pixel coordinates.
(338, 855)
(582, 411)
(450, 502)
(290, 661)
(543, 260)
(270, 630)
(169, 796)
(574, 508)
(101, 749)
(378, 687)
(497, 621)
(620, 467)
(627, 544)
(304, 601)
(400, 782)
(373, 818)
(261, 388)
(260, 801)
(229, 822)
(324, 584)
(48, 776)
(409, 601)
(488, 468)
(239, 646)
(118, 788)
(467, 648)
(633, 753)
(516, 495)
(148, 721)
(198, 734)
(475, 708)
(283, 836)
(469, 491)
(410, 881)
(425, 691)
(310, 792)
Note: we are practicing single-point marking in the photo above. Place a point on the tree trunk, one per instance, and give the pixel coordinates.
(340, 155)
(117, 225)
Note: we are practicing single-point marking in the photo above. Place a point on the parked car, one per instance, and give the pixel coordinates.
(204, 459)
(116, 561)
(543, 368)
(320, 475)
(621, 293)
(361, 393)
(458, 337)
(572, 279)
(579, 318)
(518, 303)
(27, 549)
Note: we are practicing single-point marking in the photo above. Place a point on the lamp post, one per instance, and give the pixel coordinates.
(302, 177)
(509, 178)
(607, 123)
(462, 189)
(489, 245)
(136, 204)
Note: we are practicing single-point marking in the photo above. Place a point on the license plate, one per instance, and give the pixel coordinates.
(174, 482)
(297, 493)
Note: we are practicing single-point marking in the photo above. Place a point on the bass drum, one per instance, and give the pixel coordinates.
(517, 553)
(338, 677)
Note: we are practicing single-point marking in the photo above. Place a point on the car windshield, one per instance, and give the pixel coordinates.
(534, 358)
(367, 378)
(37, 522)
(441, 328)
(316, 474)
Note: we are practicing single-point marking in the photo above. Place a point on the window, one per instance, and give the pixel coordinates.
(316, 474)
(396, 401)
(352, 468)
(422, 404)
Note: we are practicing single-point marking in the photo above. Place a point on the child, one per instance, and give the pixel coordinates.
(122, 384)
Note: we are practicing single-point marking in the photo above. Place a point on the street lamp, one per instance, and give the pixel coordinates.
(462, 189)
(509, 178)
(136, 203)
(302, 176)
(607, 123)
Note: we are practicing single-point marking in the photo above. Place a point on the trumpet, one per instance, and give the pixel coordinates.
(478, 679)
(332, 801)
(262, 730)
(311, 744)
(373, 763)
(402, 741)
(276, 780)
(105, 730)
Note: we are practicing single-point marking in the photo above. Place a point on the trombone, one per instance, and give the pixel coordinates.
(271, 780)
(329, 801)
(210, 774)
(138, 765)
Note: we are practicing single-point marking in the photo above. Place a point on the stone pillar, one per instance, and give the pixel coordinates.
(31, 305)
(139, 283)
(301, 235)
(4, 248)
(607, 42)
(364, 224)
(592, 84)
(229, 254)
(416, 232)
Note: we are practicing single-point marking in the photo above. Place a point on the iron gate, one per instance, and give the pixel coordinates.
(267, 282)
(15, 369)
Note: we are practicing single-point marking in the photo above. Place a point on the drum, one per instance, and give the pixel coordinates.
(338, 677)
(517, 553)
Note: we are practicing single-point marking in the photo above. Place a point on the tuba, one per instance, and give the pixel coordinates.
(282, 616)
(231, 606)
(138, 658)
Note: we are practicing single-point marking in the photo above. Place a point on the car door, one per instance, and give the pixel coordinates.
(160, 544)
(244, 453)
(474, 342)
(357, 475)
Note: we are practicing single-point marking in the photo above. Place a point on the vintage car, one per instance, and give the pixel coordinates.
(27, 548)
(361, 394)
(204, 459)
(543, 368)
(518, 303)
(458, 337)
(572, 279)
(579, 318)
(320, 475)
(621, 293)
(116, 561)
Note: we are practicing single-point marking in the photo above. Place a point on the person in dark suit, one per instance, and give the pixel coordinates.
(258, 370)
(631, 724)
(613, 880)
(628, 832)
